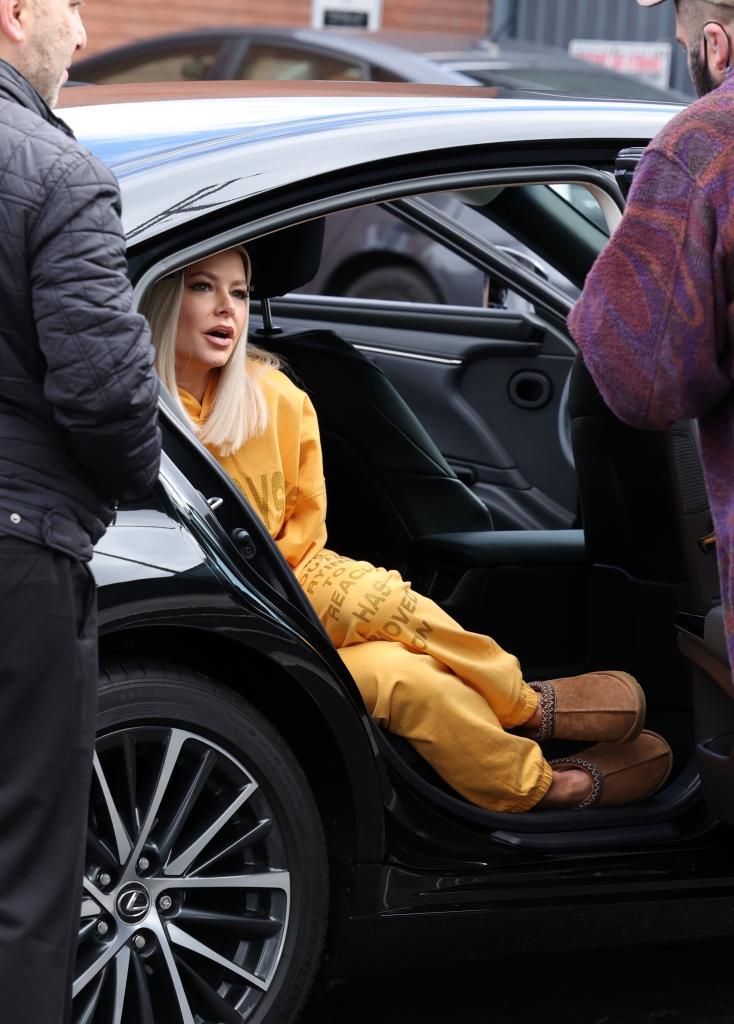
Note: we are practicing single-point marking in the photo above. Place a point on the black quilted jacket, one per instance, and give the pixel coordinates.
(78, 395)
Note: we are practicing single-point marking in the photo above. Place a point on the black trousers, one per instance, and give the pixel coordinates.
(48, 694)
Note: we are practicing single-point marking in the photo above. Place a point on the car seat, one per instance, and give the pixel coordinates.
(643, 499)
(388, 483)
(644, 509)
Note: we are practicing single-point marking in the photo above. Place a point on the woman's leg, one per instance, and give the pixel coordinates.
(357, 602)
(450, 725)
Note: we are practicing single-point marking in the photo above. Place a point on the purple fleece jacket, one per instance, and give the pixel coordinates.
(655, 321)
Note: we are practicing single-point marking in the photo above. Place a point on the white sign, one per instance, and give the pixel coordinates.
(648, 61)
(347, 14)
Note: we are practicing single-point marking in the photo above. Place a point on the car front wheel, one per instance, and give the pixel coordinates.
(205, 884)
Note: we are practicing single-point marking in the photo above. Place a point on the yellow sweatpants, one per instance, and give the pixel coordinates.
(450, 692)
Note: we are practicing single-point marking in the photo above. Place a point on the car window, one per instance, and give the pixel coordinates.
(584, 202)
(378, 74)
(562, 226)
(185, 65)
(284, 62)
(479, 221)
(371, 253)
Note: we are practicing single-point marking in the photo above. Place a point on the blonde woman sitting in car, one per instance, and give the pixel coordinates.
(456, 696)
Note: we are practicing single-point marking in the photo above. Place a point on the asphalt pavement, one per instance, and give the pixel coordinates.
(687, 984)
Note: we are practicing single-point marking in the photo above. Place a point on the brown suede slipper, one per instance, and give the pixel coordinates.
(608, 707)
(622, 773)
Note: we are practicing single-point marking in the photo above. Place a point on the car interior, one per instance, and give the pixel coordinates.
(627, 579)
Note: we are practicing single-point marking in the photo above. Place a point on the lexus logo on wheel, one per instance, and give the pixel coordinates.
(133, 902)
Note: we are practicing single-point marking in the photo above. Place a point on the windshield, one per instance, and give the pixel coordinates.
(569, 81)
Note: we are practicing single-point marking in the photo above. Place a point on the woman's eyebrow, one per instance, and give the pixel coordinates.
(215, 277)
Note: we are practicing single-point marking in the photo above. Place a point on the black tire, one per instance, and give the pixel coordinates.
(258, 905)
(393, 282)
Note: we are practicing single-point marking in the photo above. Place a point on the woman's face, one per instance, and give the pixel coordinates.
(213, 313)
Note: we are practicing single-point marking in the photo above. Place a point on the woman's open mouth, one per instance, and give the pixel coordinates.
(220, 335)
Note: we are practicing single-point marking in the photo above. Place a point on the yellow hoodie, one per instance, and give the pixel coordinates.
(281, 472)
(452, 705)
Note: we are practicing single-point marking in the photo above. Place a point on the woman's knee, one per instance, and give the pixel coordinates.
(401, 686)
(394, 681)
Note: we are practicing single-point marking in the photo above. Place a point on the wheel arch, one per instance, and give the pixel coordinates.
(283, 700)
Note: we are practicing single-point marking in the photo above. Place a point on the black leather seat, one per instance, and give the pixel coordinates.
(642, 494)
(625, 487)
(388, 482)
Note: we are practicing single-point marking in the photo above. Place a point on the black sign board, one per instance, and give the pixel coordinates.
(345, 19)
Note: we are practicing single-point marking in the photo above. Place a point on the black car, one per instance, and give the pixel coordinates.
(248, 821)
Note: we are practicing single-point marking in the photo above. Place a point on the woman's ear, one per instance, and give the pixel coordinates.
(13, 19)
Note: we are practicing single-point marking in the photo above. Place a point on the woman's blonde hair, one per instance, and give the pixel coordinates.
(239, 411)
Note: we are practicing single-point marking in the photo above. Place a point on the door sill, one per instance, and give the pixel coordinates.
(651, 821)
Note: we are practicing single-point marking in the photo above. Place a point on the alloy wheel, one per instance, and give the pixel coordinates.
(186, 889)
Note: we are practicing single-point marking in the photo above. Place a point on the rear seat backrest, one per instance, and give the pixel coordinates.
(387, 482)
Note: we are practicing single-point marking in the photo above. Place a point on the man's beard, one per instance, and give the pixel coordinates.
(700, 74)
(47, 84)
(46, 60)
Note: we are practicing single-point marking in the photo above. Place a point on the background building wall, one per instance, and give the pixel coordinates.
(111, 22)
(557, 22)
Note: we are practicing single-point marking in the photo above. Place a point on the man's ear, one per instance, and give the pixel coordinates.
(12, 20)
(718, 47)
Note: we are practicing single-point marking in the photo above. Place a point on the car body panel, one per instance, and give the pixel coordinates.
(212, 155)
(169, 567)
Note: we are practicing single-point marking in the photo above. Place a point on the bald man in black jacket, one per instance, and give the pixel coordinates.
(78, 433)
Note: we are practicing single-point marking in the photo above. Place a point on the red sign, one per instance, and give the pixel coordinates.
(648, 61)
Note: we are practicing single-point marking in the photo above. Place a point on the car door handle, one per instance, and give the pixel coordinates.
(530, 389)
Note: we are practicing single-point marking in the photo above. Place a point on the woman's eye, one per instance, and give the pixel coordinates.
(241, 294)
(200, 286)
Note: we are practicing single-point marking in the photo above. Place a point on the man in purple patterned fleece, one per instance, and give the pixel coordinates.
(655, 322)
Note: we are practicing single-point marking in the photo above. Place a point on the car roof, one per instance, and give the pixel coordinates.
(182, 149)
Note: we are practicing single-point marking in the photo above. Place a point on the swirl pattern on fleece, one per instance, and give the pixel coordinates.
(655, 321)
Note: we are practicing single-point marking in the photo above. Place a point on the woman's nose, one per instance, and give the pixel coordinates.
(225, 303)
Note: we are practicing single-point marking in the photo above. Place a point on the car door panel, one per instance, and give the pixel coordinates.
(488, 386)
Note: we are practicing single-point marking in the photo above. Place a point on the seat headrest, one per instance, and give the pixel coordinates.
(286, 259)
